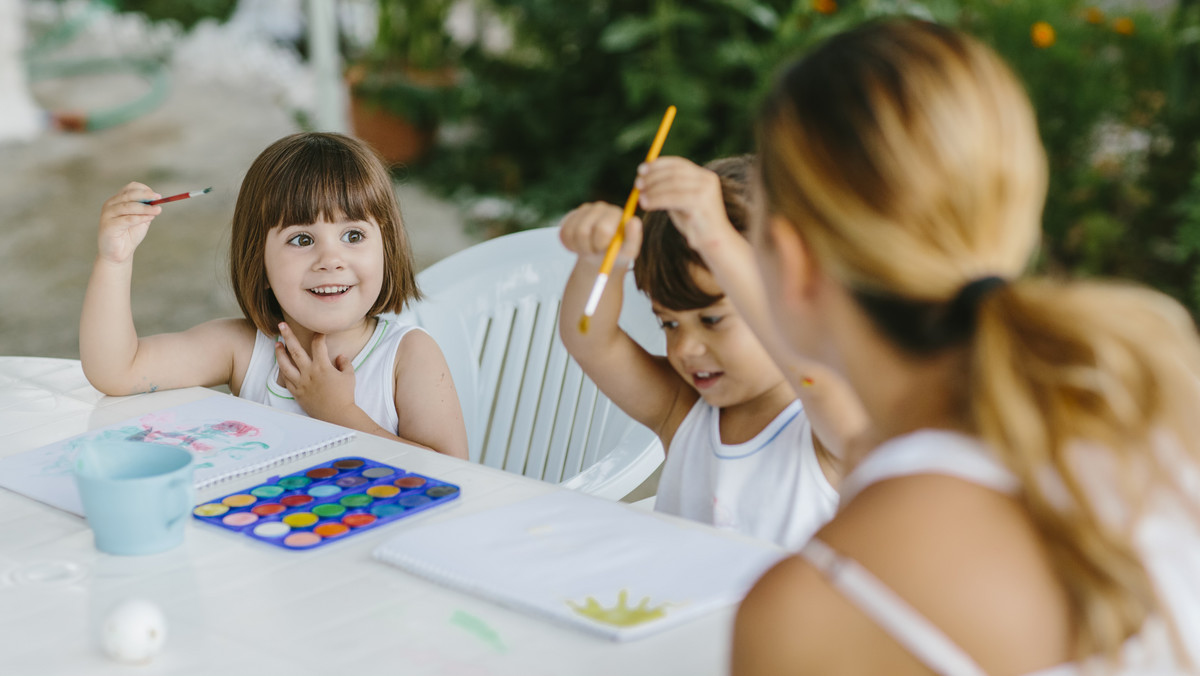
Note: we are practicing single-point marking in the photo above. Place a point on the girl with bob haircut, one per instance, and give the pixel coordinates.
(318, 255)
(1026, 502)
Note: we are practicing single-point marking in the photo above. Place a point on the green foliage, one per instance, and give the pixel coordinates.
(186, 12)
(409, 70)
(567, 112)
(411, 32)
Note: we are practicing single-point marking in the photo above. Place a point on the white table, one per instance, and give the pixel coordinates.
(234, 606)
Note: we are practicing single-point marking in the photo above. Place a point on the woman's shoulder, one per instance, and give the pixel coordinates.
(968, 558)
(785, 623)
(795, 620)
(962, 557)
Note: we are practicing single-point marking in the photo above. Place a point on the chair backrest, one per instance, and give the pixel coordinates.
(529, 408)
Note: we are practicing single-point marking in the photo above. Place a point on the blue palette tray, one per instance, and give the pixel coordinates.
(326, 502)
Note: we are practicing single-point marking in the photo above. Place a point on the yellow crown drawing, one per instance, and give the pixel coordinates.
(620, 615)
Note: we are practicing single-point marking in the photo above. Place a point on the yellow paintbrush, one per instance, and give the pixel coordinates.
(610, 256)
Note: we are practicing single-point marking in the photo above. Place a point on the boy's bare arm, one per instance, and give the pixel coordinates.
(114, 359)
(644, 386)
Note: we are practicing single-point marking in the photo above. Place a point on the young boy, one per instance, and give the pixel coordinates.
(741, 449)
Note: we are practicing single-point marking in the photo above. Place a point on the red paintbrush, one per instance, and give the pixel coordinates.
(180, 196)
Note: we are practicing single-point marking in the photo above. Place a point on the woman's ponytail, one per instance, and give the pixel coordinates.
(1071, 384)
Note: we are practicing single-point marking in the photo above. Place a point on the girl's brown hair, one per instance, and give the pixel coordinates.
(298, 180)
(908, 158)
(662, 269)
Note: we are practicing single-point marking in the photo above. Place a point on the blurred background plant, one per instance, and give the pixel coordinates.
(563, 112)
(187, 13)
(404, 83)
(540, 105)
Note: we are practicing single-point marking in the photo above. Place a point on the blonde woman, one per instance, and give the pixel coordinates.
(1026, 504)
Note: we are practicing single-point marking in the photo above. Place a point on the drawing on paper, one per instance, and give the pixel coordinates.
(208, 442)
(620, 615)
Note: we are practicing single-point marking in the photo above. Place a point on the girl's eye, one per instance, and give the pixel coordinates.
(711, 321)
(301, 240)
(353, 236)
(667, 324)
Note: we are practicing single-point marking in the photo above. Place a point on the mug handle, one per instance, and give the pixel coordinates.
(184, 506)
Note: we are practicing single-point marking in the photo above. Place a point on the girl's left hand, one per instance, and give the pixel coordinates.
(323, 387)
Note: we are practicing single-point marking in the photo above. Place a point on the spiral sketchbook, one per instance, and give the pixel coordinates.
(597, 565)
(228, 436)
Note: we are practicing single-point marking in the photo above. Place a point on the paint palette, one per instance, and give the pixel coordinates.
(326, 502)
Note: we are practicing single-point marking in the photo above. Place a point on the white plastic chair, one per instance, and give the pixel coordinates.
(529, 409)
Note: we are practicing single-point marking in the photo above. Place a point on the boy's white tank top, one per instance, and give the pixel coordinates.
(374, 375)
(1167, 539)
(771, 487)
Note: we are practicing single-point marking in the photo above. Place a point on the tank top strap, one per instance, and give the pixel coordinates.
(930, 452)
(891, 613)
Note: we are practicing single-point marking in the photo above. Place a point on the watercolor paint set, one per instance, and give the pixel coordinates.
(326, 502)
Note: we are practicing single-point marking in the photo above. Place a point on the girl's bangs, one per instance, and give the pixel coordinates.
(324, 181)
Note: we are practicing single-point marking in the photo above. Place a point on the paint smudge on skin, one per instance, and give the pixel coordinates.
(620, 615)
(479, 629)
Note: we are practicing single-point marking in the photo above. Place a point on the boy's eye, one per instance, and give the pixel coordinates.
(353, 236)
(667, 323)
(301, 240)
(711, 321)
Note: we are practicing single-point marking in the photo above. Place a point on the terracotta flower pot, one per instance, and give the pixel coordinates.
(398, 138)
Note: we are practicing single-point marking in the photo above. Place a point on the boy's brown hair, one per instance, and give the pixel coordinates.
(662, 269)
(297, 180)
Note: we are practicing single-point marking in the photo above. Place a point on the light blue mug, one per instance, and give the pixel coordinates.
(136, 495)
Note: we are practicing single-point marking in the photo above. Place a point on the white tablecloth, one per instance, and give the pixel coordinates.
(234, 606)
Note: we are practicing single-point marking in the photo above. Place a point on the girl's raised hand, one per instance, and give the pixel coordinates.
(124, 220)
(587, 230)
(690, 194)
(323, 387)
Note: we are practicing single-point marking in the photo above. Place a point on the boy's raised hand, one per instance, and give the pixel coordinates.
(587, 230)
(124, 220)
(691, 196)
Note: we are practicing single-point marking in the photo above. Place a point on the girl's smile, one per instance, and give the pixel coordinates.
(330, 292)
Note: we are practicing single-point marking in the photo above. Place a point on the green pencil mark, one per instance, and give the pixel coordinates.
(479, 629)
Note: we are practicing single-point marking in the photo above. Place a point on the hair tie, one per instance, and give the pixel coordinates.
(974, 291)
(961, 313)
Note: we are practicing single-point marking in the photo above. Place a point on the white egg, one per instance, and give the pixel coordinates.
(134, 631)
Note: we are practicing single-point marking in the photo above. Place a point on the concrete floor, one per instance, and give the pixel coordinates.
(205, 134)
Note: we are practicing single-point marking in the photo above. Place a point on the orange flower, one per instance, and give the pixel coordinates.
(1094, 16)
(1042, 34)
(825, 6)
(1124, 26)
